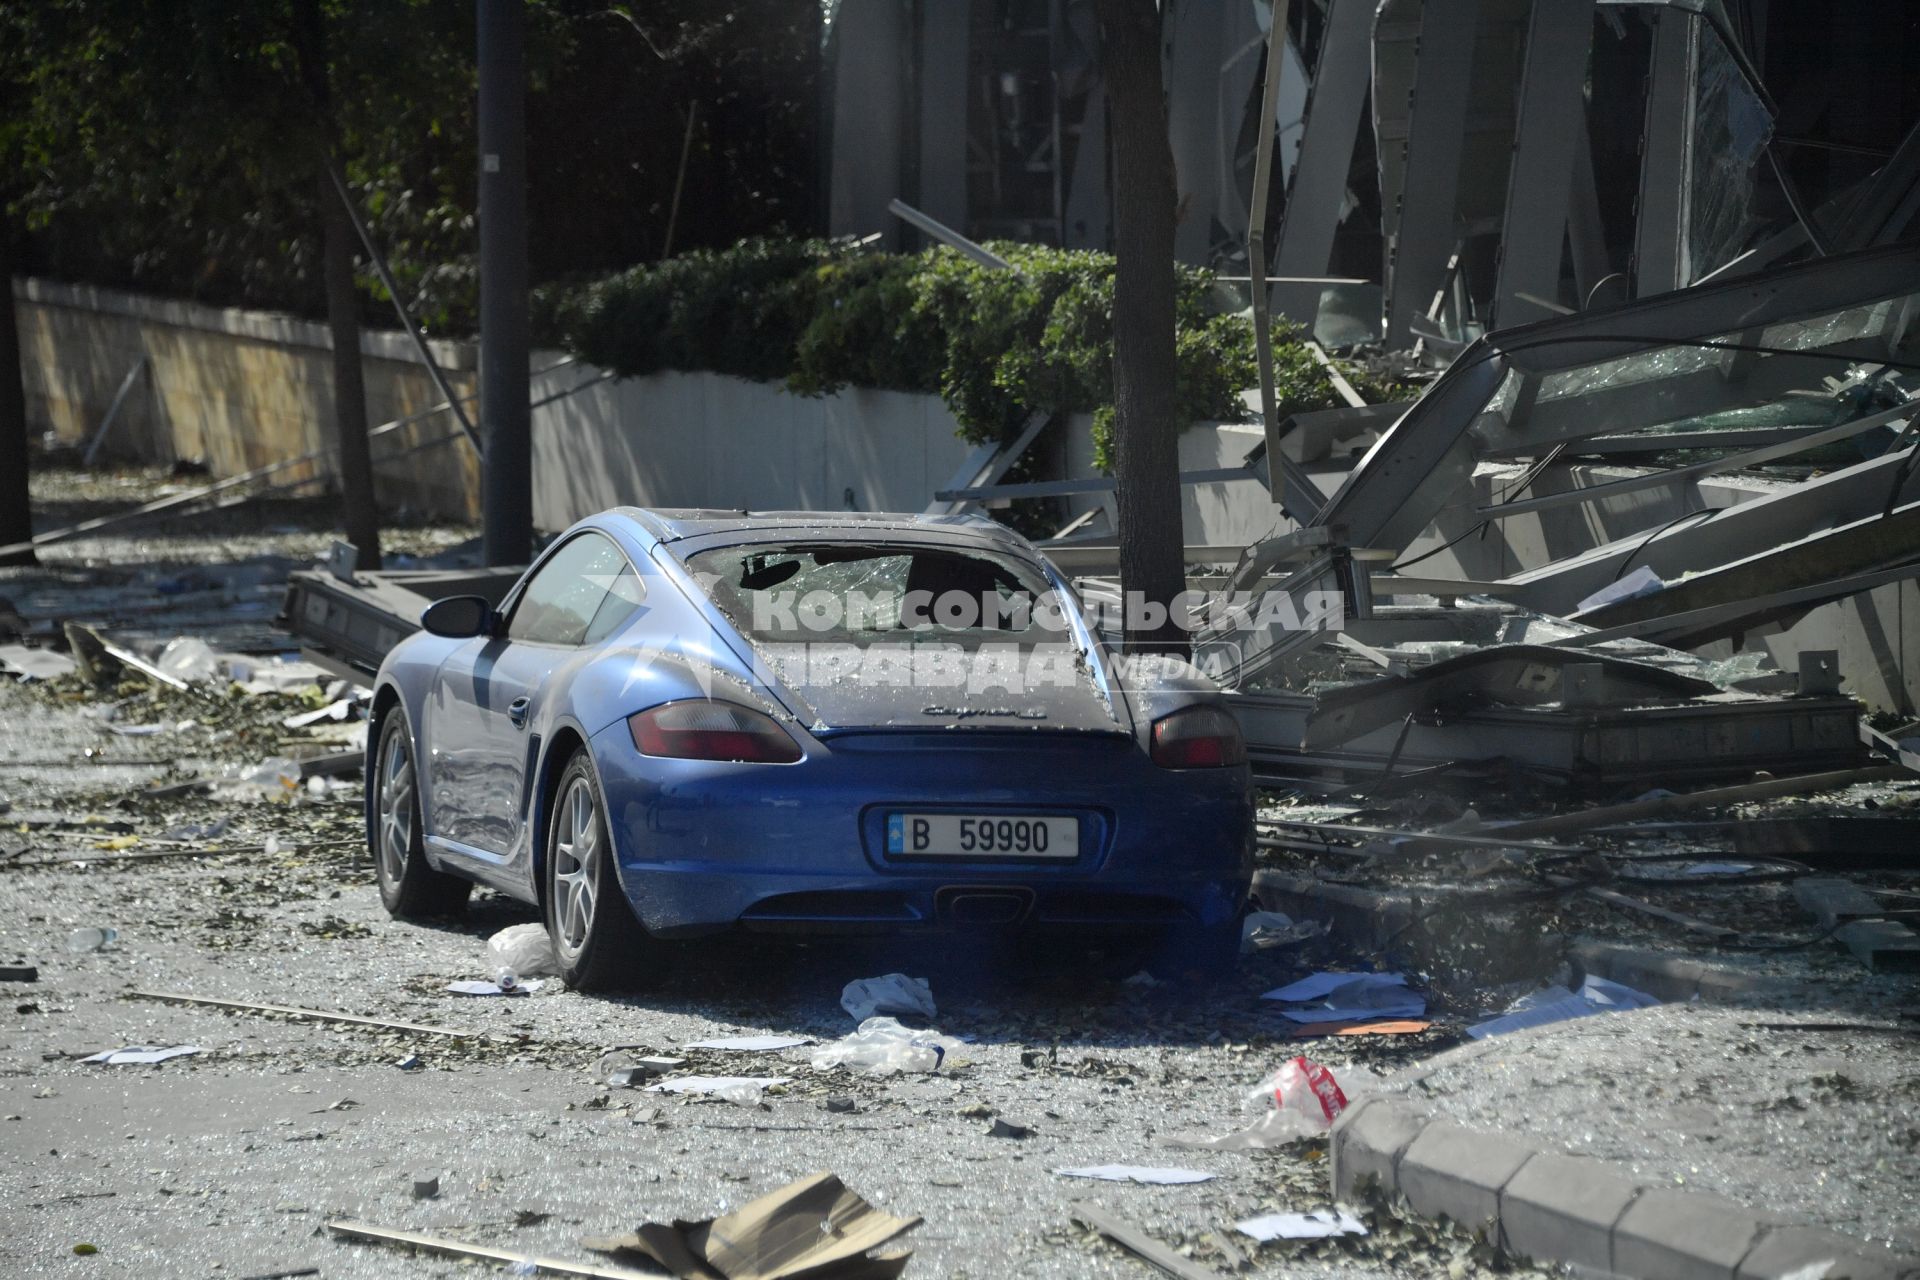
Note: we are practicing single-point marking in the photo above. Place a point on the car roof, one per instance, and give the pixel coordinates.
(681, 523)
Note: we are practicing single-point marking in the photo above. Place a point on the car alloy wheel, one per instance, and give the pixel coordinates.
(395, 809)
(408, 885)
(576, 839)
(598, 942)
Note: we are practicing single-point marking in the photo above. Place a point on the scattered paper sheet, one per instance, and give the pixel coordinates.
(1317, 986)
(333, 711)
(1137, 1173)
(714, 1084)
(34, 664)
(749, 1044)
(141, 1054)
(470, 988)
(1557, 1004)
(1317, 1225)
(1348, 997)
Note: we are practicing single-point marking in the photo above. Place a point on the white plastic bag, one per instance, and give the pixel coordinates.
(523, 948)
(882, 1046)
(1300, 1100)
(188, 659)
(894, 993)
(1305, 1093)
(275, 778)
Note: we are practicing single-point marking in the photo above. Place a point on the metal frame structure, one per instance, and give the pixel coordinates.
(1502, 396)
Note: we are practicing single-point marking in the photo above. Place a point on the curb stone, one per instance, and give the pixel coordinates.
(1590, 1213)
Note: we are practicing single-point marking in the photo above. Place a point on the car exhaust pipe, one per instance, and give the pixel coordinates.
(977, 906)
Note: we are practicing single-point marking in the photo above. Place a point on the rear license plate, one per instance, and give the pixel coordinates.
(982, 835)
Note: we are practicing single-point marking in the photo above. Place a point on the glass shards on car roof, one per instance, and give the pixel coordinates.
(865, 594)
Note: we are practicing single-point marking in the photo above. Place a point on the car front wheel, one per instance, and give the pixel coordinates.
(408, 886)
(598, 943)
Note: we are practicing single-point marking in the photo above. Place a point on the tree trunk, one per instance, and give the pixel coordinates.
(1145, 429)
(16, 515)
(359, 510)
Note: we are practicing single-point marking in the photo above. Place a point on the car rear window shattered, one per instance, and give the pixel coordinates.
(830, 613)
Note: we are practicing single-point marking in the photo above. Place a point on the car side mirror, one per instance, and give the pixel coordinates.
(458, 617)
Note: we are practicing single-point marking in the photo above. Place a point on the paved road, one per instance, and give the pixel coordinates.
(235, 1157)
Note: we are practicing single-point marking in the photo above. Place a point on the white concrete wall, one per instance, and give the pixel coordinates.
(1230, 513)
(234, 389)
(707, 440)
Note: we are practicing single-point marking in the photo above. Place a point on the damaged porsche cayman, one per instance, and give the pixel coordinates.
(679, 723)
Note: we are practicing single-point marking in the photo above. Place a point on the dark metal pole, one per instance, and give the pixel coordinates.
(505, 418)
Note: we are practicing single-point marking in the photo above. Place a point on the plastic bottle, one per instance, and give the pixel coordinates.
(882, 1046)
(92, 939)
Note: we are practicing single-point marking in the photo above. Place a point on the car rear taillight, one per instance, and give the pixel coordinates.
(705, 729)
(1198, 738)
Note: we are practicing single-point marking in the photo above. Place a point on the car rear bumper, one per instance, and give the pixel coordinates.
(704, 847)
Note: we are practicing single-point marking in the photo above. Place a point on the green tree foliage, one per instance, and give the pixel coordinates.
(995, 344)
(166, 145)
(171, 144)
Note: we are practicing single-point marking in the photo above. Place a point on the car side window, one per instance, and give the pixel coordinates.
(623, 597)
(560, 602)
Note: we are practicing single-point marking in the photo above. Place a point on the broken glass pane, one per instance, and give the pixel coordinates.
(1731, 128)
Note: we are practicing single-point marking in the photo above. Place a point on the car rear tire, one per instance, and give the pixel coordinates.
(597, 943)
(409, 888)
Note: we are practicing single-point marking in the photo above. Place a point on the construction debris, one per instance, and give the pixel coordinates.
(815, 1228)
(1130, 1237)
(290, 1011)
(524, 1263)
(142, 1054)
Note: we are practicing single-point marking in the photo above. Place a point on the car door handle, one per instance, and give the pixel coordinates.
(517, 712)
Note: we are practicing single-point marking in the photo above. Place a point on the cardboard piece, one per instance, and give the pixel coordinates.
(1397, 1027)
(813, 1229)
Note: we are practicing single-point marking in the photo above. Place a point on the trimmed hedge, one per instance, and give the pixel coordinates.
(995, 345)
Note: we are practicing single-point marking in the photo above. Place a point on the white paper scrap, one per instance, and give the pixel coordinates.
(714, 1084)
(493, 988)
(1319, 985)
(141, 1054)
(1346, 997)
(1137, 1173)
(1317, 1225)
(749, 1044)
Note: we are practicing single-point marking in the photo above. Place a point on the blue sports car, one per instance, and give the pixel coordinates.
(684, 722)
